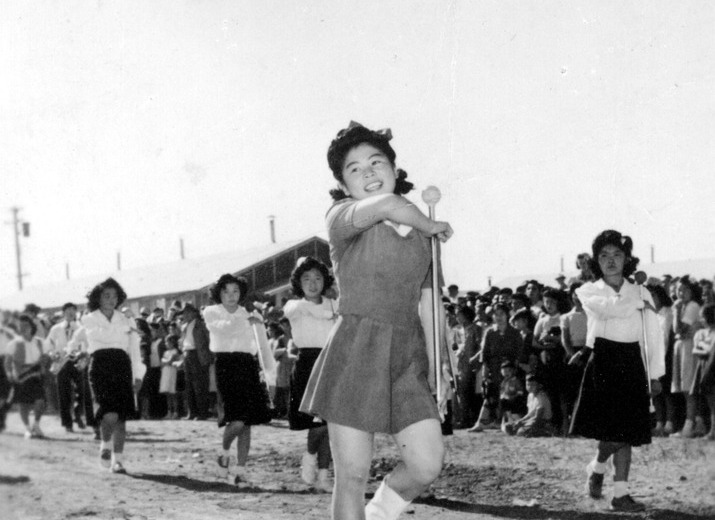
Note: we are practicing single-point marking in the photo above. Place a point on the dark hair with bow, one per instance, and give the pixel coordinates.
(614, 238)
(354, 135)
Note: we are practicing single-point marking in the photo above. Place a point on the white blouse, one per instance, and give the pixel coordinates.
(617, 316)
(230, 331)
(99, 333)
(310, 322)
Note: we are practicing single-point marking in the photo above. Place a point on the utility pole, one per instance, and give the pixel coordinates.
(16, 230)
(272, 221)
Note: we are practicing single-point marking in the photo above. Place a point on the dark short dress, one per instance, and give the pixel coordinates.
(372, 374)
(613, 403)
(111, 381)
(242, 391)
(300, 375)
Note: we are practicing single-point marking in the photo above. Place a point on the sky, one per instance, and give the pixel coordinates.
(127, 126)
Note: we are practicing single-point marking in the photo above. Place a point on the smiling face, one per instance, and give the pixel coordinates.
(312, 284)
(108, 300)
(685, 294)
(367, 172)
(230, 295)
(611, 261)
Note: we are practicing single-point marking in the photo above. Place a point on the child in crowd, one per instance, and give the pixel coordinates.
(547, 337)
(573, 339)
(169, 371)
(284, 365)
(511, 394)
(523, 321)
(537, 421)
(704, 352)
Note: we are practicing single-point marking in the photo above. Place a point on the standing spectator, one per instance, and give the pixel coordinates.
(613, 402)
(152, 403)
(501, 342)
(468, 408)
(686, 321)
(6, 335)
(665, 409)
(312, 319)
(241, 385)
(453, 294)
(24, 365)
(70, 366)
(533, 292)
(704, 352)
(280, 393)
(169, 371)
(115, 367)
(197, 361)
(523, 321)
(583, 264)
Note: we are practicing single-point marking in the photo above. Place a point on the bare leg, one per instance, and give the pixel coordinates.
(352, 452)
(119, 436)
(422, 451)
(230, 432)
(243, 446)
(106, 427)
(622, 463)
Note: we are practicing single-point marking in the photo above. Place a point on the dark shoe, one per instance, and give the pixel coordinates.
(118, 468)
(595, 485)
(105, 458)
(80, 423)
(97, 436)
(626, 504)
(69, 429)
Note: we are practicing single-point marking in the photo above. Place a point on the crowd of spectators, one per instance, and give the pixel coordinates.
(511, 349)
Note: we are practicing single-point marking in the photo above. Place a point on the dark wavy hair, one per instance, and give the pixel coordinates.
(305, 264)
(611, 237)
(26, 318)
(709, 313)
(658, 291)
(95, 294)
(354, 135)
(220, 285)
(695, 290)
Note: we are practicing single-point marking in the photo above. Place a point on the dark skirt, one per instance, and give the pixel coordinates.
(30, 388)
(243, 392)
(613, 403)
(298, 382)
(112, 384)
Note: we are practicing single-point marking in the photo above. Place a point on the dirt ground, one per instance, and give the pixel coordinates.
(173, 475)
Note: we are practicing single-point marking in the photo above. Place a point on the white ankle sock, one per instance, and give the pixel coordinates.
(386, 504)
(599, 467)
(620, 488)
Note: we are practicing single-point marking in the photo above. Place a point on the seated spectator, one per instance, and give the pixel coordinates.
(537, 421)
(512, 398)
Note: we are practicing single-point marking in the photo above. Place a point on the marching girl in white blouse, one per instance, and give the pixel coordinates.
(613, 404)
(242, 391)
(311, 319)
(115, 364)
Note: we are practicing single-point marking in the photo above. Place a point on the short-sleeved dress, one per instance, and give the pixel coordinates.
(372, 373)
(683, 360)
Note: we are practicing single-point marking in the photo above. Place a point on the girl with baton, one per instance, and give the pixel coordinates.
(372, 376)
(625, 357)
(244, 396)
(311, 318)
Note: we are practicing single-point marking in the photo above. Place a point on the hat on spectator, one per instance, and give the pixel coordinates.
(144, 311)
